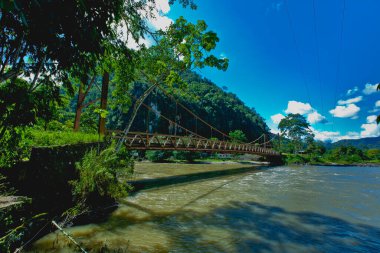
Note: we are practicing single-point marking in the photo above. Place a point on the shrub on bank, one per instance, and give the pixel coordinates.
(99, 176)
(295, 159)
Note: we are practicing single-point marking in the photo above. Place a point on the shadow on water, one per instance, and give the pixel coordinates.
(233, 227)
(145, 184)
(253, 227)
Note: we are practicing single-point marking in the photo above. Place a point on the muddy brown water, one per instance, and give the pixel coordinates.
(275, 209)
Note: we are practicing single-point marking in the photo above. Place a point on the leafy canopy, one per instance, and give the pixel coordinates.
(182, 47)
(238, 135)
(296, 128)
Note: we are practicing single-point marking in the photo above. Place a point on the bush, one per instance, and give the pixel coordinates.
(99, 176)
(52, 138)
(157, 155)
(186, 155)
(295, 159)
(373, 154)
(14, 146)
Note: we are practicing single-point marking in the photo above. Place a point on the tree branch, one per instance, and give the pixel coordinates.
(90, 103)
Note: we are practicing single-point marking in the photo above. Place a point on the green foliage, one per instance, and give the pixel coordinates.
(182, 47)
(157, 155)
(99, 175)
(238, 136)
(56, 126)
(346, 154)
(186, 155)
(296, 128)
(102, 113)
(14, 146)
(20, 107)
(373, 154)
(295, 159)
(338, 155)
(67, 33)
(223, 110)
(52, 138)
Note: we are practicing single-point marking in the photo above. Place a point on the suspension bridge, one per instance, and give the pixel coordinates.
(181, 138)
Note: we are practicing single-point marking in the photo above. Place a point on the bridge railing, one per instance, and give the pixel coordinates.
(155, 141)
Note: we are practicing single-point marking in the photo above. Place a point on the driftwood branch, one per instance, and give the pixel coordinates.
(68, 236)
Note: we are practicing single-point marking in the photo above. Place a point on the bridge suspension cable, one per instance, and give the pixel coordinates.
(340, 46)
(149, 108)
(191, 140)
(193, 114)
(317, 53)
(261, 136)
(286, 4)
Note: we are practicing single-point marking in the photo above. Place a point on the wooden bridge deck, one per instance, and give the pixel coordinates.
(155, 141)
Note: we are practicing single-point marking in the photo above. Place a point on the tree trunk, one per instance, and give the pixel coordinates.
(103, 102)
(78, 110)
(136, 107)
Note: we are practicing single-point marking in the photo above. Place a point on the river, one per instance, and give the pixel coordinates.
(274, 209)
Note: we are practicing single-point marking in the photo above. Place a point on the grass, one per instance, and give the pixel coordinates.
(53, 138)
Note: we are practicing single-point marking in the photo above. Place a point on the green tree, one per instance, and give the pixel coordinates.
(182, 47)
(238, 136)
(45, 37)
(19, 108)
(296, 128)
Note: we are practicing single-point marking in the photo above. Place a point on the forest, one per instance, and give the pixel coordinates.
(297, 144)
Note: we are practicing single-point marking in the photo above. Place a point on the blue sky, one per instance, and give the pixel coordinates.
(273, 47)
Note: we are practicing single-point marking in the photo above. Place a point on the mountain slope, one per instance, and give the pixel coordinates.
(364, 143)
(222, 109)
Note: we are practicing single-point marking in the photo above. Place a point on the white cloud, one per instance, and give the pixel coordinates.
(370, 130)
(370, 88)
(350, 101)
(326, 135)
(334, 136)
(274, 130)
(377, 104)
(277, 118)
(156, 18)
(163, 6)
(371, 119)
(298, 107)
(305, 109)
(345, 111)
(315, 117)
(160, 22)
(352, 91)
(350, 135)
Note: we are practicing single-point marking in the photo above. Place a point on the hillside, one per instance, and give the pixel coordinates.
(363, 143)
(222, 109)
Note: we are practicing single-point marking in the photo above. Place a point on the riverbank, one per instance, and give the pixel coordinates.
(305, 159)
